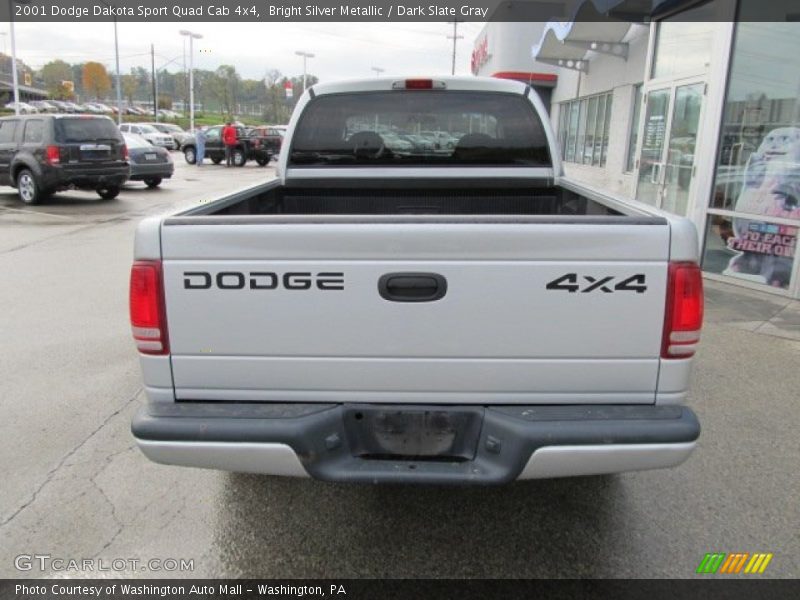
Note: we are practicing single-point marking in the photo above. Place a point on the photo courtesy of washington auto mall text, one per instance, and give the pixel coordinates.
(387, 299)
(175, 589)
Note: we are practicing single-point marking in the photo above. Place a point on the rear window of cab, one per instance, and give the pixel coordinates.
(420, 128)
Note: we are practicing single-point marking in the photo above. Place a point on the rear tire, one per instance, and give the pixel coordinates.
(239, 158)
(28, 188)
(262, 162)
(216, 160)
(153, 182)
(109, 192)
(190, 155)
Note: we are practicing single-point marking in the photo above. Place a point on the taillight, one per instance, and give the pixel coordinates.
(148, 314)
(684, 310)
(125, 155)
(53, 155)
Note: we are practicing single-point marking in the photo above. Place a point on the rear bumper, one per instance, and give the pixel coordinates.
(144, 170)
(259, 153)
(86, 177)
(513, 442)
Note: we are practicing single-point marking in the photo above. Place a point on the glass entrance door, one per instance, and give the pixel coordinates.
(669, 139)
(651, 155)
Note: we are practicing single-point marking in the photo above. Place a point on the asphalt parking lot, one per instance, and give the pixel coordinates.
(74, 487)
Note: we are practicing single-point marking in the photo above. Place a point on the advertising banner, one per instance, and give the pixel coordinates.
(765, 251)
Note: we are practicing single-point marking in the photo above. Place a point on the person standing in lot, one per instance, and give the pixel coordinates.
(201, 146)
(229, 139)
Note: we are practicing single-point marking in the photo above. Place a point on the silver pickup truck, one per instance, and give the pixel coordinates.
(420, 296)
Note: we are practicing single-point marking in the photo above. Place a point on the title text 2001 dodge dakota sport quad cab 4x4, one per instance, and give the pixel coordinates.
(390, 311)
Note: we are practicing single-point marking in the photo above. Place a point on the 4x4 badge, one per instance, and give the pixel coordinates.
(572, 282)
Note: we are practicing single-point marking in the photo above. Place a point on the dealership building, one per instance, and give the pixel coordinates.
(696, 112)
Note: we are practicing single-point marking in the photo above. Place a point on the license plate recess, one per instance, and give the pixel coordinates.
(413, 432)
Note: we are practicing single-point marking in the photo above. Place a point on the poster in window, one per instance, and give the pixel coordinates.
(771, 187)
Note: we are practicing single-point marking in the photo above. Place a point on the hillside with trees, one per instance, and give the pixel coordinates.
(222, 91)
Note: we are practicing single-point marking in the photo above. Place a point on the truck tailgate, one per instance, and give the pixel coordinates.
(536, 310)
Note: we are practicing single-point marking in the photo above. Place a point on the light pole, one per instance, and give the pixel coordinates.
(455, 37)
(378, 71)
(14, 76)
(192, 36)
(306, 56)
(155, 80)
(116, 56)
(185, 79)
(119, 79)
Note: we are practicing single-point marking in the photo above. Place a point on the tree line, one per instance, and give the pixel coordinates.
(223, 91)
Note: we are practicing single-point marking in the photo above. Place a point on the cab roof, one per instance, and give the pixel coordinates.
(381, 84)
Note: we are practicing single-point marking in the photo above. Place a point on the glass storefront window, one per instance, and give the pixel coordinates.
(572, 131)
(756, 194)
(634, 132)
(591, 121)
(581, 132)
(599, 129)
(606, 128)
(583, 128)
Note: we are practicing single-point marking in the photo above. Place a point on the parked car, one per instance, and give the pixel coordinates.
(104, 107)
(178, 134)
(215, 149)
(429, 318)
(149, 163)
(150, 133)
(60, 105)
(398, 144)
(73, 107)
(441, 140)
(43, 154)
(94, 108)
(266, 143)
(168, 114)
(43, 106)
(24, 108)
(88, 107)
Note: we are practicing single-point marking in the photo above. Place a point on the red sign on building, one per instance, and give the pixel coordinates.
(480, 54)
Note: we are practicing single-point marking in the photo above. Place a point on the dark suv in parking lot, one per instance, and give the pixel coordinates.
(246, 148)
(42, 154)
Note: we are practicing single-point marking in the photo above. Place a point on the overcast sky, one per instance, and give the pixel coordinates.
(343, 50)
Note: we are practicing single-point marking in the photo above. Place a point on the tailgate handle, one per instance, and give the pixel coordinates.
(412, 287)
